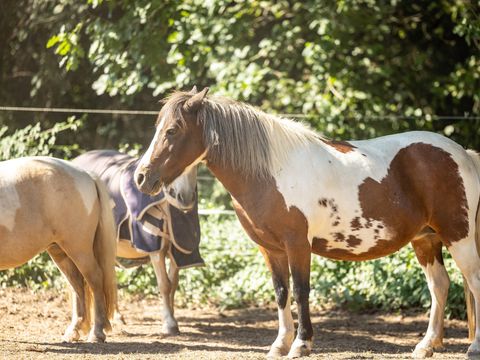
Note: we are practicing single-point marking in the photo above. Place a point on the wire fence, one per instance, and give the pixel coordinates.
(153, 112)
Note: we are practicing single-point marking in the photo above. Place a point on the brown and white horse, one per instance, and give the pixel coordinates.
(297, 193)
(48, 204)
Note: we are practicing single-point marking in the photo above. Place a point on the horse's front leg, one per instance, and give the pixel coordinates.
(173, 277)
(428, 250)
(170, 326)
(299, 257)
(278, 265)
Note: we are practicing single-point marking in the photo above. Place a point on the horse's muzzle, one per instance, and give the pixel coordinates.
(147, 183)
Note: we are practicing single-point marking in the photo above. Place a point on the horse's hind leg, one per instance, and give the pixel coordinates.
(169, 324)
(465, 254)
(86, 262)
(80, 317)
(428, 250)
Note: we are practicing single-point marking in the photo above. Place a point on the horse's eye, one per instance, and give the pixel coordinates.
(172, 131)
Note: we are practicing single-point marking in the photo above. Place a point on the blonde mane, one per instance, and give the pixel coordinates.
(243, 137)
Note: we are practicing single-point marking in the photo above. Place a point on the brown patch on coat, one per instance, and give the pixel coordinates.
(407, 198)
(353, 241)
(263, 213)
(341, 146)
(339, 237)
(355, 224)
(319, 247)
(333, 205)
(323, 202)
(428, 248)
(382, 248)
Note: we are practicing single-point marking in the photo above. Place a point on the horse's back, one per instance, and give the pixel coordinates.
(43, 200)
(59, 179)
(374, 198)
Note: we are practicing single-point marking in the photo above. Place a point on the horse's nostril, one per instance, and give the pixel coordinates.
(140, 179)
(171, 192)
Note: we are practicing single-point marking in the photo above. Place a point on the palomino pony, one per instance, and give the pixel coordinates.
(297, 193)
(48, 204)
(151, 228)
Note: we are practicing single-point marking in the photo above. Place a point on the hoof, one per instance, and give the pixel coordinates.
(300, 349)
(170, 330)
(277, 352)
(71, 336)
(96, 338)
(422, 353)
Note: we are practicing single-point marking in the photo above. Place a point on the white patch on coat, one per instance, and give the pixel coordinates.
(319, 171)
(84, 183)
(9, 199)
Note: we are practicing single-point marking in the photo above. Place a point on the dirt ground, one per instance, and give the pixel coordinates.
(31, 325)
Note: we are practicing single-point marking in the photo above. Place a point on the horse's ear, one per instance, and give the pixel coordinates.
(194, 90)
(194, 103)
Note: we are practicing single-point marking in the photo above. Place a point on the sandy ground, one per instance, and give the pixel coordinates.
(31, 325)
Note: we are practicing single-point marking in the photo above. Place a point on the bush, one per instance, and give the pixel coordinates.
(33, 141)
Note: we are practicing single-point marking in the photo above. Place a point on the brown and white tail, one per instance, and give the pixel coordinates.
(105, 248)
(468, 294)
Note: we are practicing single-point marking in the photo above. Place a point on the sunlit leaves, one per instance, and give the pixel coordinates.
(355, 68)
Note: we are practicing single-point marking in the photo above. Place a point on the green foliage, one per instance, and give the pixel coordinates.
(38, 273)
(357, 68)
(33, 141)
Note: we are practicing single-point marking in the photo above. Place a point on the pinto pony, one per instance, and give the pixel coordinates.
(297, 193)
(48, 204)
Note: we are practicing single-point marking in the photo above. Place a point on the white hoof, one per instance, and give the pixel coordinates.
(277, 352)
(170, 330)
(71, 335)
(422, 353)
(300, 348)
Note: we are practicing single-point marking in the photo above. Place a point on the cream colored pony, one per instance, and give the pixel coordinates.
(48, 204)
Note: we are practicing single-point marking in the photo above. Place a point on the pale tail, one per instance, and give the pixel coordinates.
(468, 294)
(105, 248)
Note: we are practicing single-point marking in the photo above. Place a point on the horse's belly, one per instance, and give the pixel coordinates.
(340, 251)
(350, 236)
(16, 248)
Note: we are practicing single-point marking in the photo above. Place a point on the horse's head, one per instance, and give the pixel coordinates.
(176, 148)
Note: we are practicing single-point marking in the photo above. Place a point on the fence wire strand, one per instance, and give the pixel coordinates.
(153, 112)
